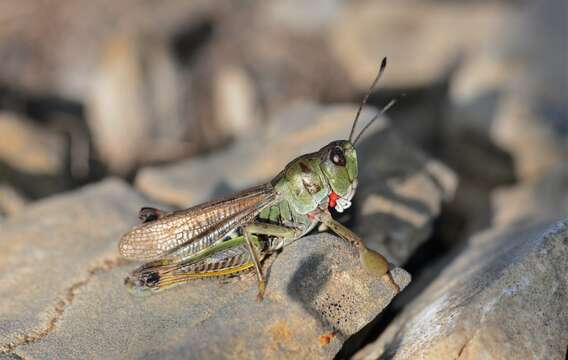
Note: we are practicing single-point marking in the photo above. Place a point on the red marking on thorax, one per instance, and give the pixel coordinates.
(333, 199)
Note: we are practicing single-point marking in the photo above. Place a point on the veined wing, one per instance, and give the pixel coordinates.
(184, 232)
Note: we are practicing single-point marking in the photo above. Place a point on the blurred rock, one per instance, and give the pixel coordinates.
(286, 61)
(511, 93)
(400, 189)
(317, 293)
(508, 117)
(544, 198)
(33, 158)
(29, 148)
(53, 47)
(11, 201)
(299, 16)
(422, 39)
(135, 110)
(504, 297)
(236, 102)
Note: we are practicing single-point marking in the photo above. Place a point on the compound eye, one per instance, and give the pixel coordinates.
(337, 156)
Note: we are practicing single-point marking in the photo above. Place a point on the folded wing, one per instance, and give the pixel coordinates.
(181, 233)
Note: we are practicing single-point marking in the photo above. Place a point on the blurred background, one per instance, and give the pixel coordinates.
(93, 89)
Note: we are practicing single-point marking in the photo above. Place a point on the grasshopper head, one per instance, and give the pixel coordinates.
(339, 166)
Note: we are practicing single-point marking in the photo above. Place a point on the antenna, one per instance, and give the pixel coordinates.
(381, 70)
(383, 110)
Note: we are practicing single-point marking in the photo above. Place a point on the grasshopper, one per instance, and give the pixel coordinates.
(235, 234)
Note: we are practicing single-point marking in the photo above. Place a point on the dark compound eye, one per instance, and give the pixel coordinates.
(337, 156)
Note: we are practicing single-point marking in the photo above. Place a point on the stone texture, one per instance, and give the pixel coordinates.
(422, 39)
(62, 292)
(50, 251)
(504, 297)
(400, 192)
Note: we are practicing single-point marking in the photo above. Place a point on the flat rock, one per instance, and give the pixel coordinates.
(401, 190)
(504, 297)
(62, 292)
(52, 249)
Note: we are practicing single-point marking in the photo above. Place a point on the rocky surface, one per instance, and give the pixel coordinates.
(401, 189)
(190, 101)
(135, 106)
(29, 148)
(33, 157)
(545, 198)
(54, 48)
(425, 40)
(504, 297)
(62, 292)
(11, 201)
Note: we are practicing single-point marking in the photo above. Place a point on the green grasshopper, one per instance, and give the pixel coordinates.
(235, 234)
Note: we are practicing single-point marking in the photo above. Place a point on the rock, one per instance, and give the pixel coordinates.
(508, 118)
(317, 294)
(135, 109)
(52, 250)
(301, 16)
(236, 101)
(54, 48)
(544, 198)
(504, 297)
(510, 93)
(11, 201)
(30, 148)
(422, 40)
(32, 157)
(400, 190)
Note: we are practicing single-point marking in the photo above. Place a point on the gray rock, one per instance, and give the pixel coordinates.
(54, 248)
(511, 92)
(61, 292)
(49, 51)
(421, 39)
(401, 190)
(504, 297)
(544, 198)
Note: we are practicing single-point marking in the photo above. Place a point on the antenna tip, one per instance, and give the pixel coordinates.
(384, 63)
